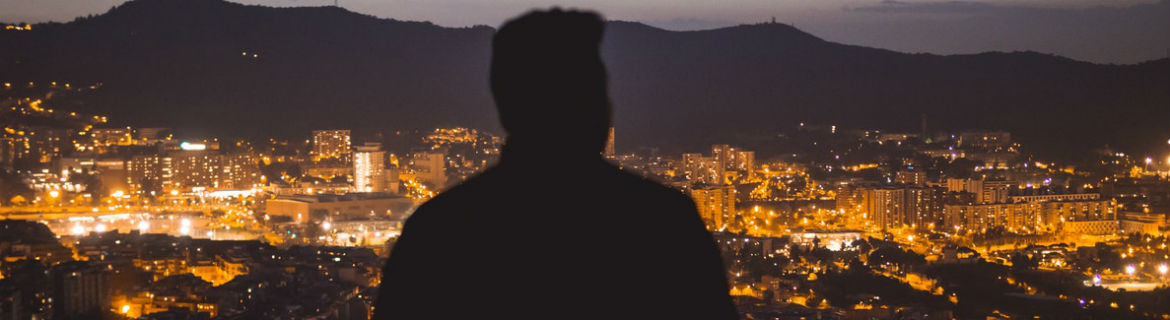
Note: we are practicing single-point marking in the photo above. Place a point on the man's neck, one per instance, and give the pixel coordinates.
(543, 153)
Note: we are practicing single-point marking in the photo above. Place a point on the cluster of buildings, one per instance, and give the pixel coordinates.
(317, 214)
(726, 165)
(975, 205)
(711, 181)
(439, 159)
(126, 161)
(189, 167)
(132, 275)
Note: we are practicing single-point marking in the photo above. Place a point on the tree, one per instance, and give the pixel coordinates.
(92, 182)
(12, 189)
(896, 256)
(1024, 261)
(960, 168)
(863, 246)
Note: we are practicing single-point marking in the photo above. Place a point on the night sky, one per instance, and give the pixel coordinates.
(1118, 31)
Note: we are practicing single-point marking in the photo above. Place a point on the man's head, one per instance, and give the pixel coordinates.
(549, 82)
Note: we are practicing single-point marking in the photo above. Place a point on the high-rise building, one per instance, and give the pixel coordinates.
(79, 288)
(994, 191)
(850, 198)
(239, 171)
(369, 169)
(393, 180)
(702, 169)
(716, 204)
(885, 207)
(987, 215)
(910, 177)
(1035, 215)
(902, 207)
(1055, 197)
(609, 152)
(743, 161)
(1079, 210)
(149, 173)
(956, 185)
(733, 160)
(985, 191)
(331, 144)
(41, 144)
(923, 207)
(726, 165)
(430, 168)
(188, 170)
(722, 154)
(193, 169)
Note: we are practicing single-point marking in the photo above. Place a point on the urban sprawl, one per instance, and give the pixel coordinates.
(116, 222)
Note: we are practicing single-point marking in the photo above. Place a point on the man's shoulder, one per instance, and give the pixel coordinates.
(477, 187)
(649, 191)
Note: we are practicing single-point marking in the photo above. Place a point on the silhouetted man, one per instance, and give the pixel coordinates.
(554, 231)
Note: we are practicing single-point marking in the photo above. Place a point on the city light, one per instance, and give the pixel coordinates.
(185, 227)
(192, 146)
(819, 205)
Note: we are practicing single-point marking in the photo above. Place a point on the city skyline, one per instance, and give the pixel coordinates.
(950, 206)
(208, 160)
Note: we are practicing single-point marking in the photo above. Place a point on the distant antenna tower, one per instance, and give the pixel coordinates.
(335, 3)
(773, 18)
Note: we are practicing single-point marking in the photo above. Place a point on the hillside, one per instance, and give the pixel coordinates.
(225, 68)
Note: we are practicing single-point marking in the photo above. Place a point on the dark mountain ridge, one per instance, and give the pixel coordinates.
(190, 65)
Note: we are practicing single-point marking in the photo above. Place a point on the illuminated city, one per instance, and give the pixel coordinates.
(110, 218)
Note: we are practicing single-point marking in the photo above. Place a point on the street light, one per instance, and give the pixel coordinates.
(185, 226)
